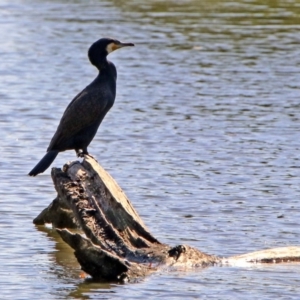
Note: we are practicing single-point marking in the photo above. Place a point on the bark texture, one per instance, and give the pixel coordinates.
(115, 244)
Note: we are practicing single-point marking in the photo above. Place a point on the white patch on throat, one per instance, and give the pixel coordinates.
(110, 47)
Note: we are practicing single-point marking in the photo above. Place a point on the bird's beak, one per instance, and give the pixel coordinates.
(117, 45)
(121, 45)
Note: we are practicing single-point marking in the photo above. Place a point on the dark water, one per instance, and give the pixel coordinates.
(204, 137)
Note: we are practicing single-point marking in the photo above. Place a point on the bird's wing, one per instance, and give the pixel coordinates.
(84, 110)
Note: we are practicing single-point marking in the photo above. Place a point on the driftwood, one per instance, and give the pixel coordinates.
(114, 243)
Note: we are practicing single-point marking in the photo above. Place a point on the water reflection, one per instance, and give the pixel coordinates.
(62, 255)
(66, 268)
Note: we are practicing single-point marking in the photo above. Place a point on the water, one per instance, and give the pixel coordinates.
(203, 138)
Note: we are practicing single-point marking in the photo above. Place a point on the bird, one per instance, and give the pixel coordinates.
(84, 114)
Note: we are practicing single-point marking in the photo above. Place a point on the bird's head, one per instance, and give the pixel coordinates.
(101, 48)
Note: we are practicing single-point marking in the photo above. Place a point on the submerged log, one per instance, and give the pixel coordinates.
(275, 255)
(114, 243)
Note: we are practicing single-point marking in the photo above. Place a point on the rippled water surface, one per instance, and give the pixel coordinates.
(203, 137)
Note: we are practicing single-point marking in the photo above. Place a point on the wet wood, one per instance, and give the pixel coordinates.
(115, 244)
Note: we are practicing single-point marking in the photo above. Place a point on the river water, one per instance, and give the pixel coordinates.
(203, 138)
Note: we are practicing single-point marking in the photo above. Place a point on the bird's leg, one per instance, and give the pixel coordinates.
(77, 152)
(81, 152)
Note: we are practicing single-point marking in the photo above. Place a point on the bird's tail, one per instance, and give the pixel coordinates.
(44, 163)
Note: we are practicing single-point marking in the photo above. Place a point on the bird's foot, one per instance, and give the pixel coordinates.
(81, 153)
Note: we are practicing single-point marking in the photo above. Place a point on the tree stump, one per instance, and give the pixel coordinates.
(115, 245)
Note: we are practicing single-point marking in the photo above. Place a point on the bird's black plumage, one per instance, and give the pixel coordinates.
(86, 111)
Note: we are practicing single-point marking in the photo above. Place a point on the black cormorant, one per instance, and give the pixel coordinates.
(85, 113)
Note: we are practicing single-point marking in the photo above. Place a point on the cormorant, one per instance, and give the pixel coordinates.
(86, 111)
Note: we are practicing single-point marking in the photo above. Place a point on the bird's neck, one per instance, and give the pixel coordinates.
(107, 69)
(102, 64)
(107, 75)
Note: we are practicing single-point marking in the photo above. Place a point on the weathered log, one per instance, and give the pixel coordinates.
(114, 243)
(275, 255)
